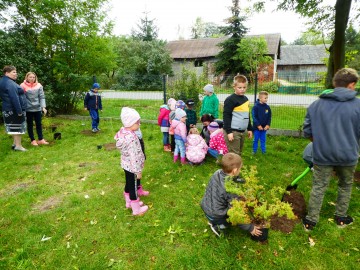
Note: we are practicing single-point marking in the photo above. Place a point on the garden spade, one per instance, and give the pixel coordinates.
(293, 184)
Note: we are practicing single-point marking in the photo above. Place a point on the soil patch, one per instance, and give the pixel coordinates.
(110, 146)
(297, 202)
(87, 164)
(16, 188)
(88, 132)
(283, 224)
(357, 177)
(50, 203)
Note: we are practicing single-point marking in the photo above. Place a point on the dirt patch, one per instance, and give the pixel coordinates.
(110, 146)
(357, 177)
(297, 202)
(87, 164)
(88, 132)
(283, 224)
(16, 188)
(50, 203)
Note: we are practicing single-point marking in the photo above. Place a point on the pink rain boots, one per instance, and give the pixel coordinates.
(175, 158)
(142, 192)
(127, 200)
(137, 209)
(183, 160)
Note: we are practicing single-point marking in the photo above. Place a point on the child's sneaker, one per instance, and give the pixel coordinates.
(98, 129)
(215, 229)
(94, 130)
(308, 225)
(342, 222)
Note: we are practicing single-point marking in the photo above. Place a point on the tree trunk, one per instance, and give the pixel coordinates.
(337, 49)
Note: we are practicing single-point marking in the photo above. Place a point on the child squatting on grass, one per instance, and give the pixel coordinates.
(132, 159)
(196, 147)
(216, 201)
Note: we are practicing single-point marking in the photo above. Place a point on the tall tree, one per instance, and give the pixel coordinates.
(198, 29)
(235, 30)
(329, 17)
(146, 29)
(311, 37)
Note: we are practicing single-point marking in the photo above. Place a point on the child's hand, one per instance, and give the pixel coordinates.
(256, 231)
(260, 127)
(138, 175)
(230, 137)
(250, 134)
(267, 127)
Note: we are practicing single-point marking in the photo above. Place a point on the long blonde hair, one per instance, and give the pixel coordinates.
(31, 73)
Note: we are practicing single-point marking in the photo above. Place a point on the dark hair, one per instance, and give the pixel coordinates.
(230, 161)
(8, 69)
(207, 118)
(344, 77)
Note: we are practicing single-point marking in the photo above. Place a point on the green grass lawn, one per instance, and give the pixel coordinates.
(283, 117)
(62, 208)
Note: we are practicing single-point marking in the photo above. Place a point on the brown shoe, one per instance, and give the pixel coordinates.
(42, 142)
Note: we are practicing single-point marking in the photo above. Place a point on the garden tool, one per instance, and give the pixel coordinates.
(293, 184)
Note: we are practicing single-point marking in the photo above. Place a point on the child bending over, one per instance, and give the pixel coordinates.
(196, 147)
(217, 201)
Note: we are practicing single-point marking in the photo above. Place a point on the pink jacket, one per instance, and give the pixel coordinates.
(196, 148)
(132, 157)
(179, 130)
(217, 141)
(163, 118)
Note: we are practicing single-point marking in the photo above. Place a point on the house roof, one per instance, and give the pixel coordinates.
(208, 47)
(302, 55)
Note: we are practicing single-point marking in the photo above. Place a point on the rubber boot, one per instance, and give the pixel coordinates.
(183, 160)
(138, 210)
(127, 200)
(142, 192)
(176, 158)
(166, 148)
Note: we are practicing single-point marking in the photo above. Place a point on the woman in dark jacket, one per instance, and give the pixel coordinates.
(13, 106)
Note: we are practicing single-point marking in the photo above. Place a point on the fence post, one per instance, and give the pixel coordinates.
(256, 87)
(164, 88)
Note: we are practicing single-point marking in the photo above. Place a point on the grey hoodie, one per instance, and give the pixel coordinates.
(333, 121)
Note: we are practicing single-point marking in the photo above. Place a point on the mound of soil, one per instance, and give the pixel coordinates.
(88, 132)
(297, 201)
(283, 224)
(357, 177)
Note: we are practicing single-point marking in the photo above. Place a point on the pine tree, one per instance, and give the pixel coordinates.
(236, 31)
(147, 30)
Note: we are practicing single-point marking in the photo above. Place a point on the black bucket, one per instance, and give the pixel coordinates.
(263, 237)
(57, 136)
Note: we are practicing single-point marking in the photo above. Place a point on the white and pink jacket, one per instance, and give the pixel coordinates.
(196, 148)
(217, 141)
(132, 157)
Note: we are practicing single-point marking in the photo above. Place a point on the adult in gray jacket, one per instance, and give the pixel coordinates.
(35, 105)
(333, 124)
(217, 201)
(13, 106)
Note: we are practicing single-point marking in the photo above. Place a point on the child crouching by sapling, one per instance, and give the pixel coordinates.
(196, 147)
(132, 158)
(217, 201)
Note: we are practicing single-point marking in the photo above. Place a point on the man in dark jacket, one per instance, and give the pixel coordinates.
(332, 123)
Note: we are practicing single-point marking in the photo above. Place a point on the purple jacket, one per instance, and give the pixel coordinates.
(196, 148)
(132, 157)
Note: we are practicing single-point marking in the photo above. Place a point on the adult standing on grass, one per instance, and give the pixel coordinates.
(92, 103)
(13, 106)
(35, 105)
(236, 116)
(332, 123)
(210, 103)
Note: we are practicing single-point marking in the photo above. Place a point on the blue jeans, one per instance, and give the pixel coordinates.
(213, 152)
(259, 135)
(95, 119)
(165, 138)
(30, 117)
(218, 221)
(179, 147)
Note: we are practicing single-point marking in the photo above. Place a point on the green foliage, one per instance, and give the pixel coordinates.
(236, 31)
(141, 64)
(252, 52)
(187, 85)
(147, 30)
(311, 37)
(256, 204)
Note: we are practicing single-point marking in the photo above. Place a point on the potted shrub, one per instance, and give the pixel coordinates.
(255, 204)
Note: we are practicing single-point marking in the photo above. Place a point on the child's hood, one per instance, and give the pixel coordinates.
(216, 132)
(164, 106)
(175, 123)
(194, 139)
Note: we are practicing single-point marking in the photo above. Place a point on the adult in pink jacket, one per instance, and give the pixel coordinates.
(196, 148)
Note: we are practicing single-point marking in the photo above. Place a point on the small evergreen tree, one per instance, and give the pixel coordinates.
(147, 30)
(236, 31)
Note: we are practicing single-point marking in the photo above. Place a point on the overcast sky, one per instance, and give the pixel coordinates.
(175, 17)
